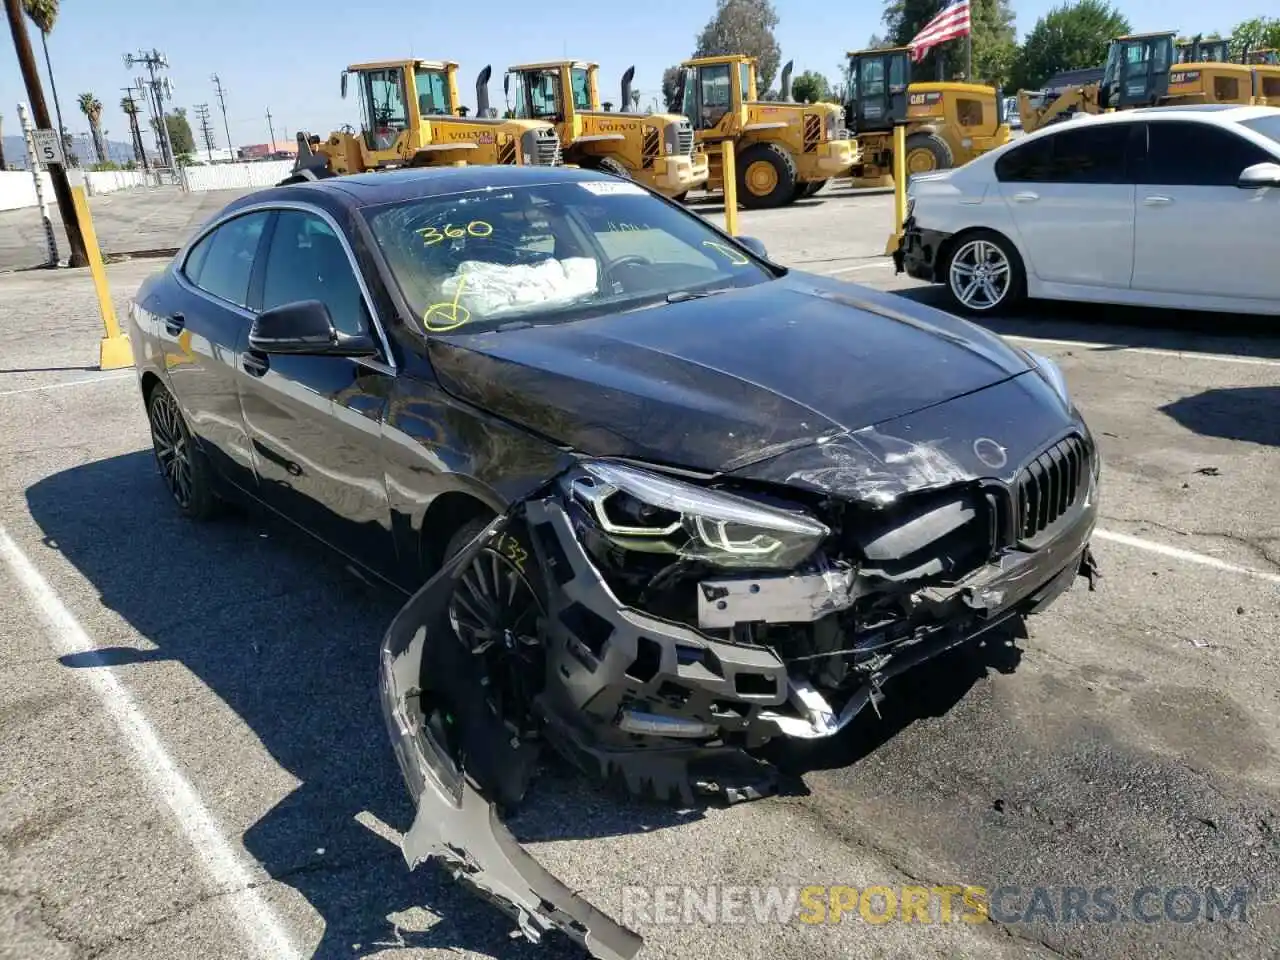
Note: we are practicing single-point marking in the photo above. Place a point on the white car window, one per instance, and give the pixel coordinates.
(1184, 153)
(1090, 153)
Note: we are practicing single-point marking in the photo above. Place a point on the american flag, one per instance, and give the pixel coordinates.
(952, 21)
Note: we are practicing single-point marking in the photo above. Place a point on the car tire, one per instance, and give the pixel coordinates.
(610, 166)
(183, 468)
(1001, 285)
(773, 172)
(927, 152)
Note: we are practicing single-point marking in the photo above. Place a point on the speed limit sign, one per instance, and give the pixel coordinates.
(48, 147)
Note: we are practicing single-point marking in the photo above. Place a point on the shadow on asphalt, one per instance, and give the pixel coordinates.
(1251, 414)
(1232, 334)
(287, 638)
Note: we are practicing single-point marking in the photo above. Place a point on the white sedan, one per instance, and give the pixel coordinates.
(1158, 207)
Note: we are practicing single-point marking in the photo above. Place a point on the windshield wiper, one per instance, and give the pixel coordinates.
(680, 295)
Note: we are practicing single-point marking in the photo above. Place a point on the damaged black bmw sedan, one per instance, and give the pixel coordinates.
(657, 500)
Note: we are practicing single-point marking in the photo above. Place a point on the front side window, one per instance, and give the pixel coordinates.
(1096, 154)
(582, 89)
(689, 92)
(385, 92)
(433, 92)
(1269, 127)
(744, 80)
(221, 263)
(306, 261)
(550, 253)
(1197, 154)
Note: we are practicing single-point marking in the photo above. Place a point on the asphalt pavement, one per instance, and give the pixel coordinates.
(195, 764)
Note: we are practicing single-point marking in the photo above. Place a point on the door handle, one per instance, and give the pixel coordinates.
(174, 324)
(1026, 196)
(255, 364)
(1157, 201)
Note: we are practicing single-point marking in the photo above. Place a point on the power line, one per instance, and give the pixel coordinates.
(202, 113)
(161, 90)
(222, 103)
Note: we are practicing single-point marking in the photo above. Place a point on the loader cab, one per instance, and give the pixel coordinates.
(552, 92)
(877, 81)
(1137, 71)
(396, 95)
(1198, 50)
(711, 88)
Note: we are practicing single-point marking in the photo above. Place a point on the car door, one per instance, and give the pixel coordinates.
(1070, 195)
(314, 422)
(201, 332)
(1197, 231)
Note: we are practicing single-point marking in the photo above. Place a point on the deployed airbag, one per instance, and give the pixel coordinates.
(487, 289)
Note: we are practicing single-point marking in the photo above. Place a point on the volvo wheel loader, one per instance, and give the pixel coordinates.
(655, 149)
(783, 151)
(411, 117)
(948, 124)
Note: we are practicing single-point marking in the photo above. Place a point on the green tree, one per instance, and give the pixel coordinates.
(743, 27)
(180, 135)
(1260, 33)
(1072, 36)
(91, 107)
(994, 46)
(810, 87)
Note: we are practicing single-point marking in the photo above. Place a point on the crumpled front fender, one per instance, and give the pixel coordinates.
(461, 768)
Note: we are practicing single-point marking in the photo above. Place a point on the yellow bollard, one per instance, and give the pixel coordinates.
(115, 351)
(899, 189)
(730, 178)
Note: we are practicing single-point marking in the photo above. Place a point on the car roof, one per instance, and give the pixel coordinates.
(1218, 114)
(354, 191)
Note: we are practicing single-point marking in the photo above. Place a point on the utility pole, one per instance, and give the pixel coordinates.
(139, 150)
(272, 148)
(2, 166)
(79, 256)
(222, 103)
(202, 112)
(161, 90)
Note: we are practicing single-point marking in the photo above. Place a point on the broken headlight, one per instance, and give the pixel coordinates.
(649, 513)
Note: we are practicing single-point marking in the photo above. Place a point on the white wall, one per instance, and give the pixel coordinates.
(18, 190)
(237, 176)
(109, 181)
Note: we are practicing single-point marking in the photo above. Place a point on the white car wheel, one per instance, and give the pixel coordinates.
(982, 275)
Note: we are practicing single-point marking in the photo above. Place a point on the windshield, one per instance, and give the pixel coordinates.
(1269, 127)
(550, 253)
(433, 92)
(582, 90)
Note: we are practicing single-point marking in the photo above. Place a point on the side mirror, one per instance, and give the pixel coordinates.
(755, 246)
(305, 327)
(1259, 175)
(344, 84)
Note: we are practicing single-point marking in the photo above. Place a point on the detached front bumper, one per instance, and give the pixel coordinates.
(835, 158)
(676, 175)
(918, 254)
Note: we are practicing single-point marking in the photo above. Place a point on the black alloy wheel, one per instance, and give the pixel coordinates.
(181, 467)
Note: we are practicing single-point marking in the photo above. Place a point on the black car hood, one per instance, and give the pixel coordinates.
(729, 380)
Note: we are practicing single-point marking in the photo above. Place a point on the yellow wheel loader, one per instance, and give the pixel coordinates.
(782, 150)
(411, 117)
(948, 124)
(655, 149)
(1146, 70)
(1265, 64)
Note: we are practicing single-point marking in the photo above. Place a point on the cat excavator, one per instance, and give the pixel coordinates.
(411, 116)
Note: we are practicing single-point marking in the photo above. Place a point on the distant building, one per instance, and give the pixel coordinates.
(280, 150)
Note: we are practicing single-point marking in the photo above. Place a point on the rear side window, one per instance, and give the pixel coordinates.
(1182, 153)
(1086, 154)
(1267, 126)
(221, 263)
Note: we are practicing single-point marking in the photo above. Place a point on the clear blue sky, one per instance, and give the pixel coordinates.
(287, 55)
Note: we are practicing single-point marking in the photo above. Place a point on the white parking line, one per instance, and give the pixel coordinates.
(1177, 553)
(1150, 351)
(67, 383)
(878, 264)
(226, 868)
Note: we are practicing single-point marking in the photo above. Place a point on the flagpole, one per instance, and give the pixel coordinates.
(968, 56)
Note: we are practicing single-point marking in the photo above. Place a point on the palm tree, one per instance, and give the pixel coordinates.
(91, 107)
(44, 14)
